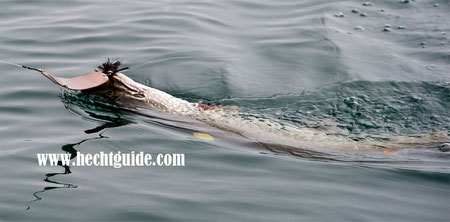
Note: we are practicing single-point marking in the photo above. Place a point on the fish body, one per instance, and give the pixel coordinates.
(124, 89)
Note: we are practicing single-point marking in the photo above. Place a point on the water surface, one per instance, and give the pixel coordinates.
(381, 71)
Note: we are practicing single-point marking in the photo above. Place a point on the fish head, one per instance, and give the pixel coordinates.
(118, 85)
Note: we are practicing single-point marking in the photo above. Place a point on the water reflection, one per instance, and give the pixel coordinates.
(111, 122)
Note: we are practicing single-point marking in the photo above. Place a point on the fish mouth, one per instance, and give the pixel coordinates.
(125, 84)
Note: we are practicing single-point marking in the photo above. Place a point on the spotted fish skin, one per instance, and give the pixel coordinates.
(262, 130)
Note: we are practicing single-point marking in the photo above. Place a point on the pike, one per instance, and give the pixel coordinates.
(108, 82)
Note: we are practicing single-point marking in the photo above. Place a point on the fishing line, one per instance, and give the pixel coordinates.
(23, 66)
(37, 70)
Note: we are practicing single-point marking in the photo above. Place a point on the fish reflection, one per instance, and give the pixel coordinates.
(111, 122)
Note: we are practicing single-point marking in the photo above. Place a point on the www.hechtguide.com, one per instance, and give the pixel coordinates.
(116, 160)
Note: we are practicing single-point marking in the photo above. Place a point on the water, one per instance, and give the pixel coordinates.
(383, 75)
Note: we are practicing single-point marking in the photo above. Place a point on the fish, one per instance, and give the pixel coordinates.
(109, 82)
(266, 133)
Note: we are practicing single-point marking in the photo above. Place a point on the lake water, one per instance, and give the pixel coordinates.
(358, 69)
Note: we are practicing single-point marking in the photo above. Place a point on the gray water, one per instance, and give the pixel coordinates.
(381, 74)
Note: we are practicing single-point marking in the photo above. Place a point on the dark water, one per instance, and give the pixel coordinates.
(294, 62)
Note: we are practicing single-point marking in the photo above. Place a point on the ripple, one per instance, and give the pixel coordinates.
(291, 62)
